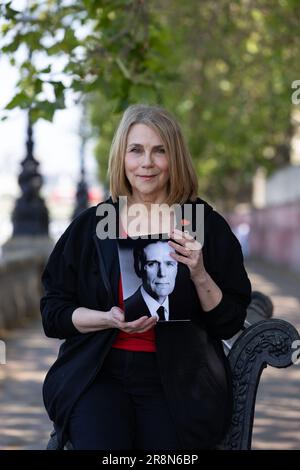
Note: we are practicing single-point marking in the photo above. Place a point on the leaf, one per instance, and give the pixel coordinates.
(38, 85)
(9, 12)
(123, 68)
(42, 110)
(19, 100)
(45, 70)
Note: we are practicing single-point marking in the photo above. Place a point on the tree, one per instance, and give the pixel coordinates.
(232, 65)
(83, 46)
(223, 67)
(236, 61)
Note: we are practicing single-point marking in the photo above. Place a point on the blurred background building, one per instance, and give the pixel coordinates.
(269, 227)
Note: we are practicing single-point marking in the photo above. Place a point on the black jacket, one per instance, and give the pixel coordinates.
(83, 271)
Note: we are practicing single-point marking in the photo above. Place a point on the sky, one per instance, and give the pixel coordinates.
(56, 144)
(56, 147)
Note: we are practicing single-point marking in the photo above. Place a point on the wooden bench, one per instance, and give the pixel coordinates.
(263, 341)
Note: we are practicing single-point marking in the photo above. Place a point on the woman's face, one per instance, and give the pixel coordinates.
(146, 164)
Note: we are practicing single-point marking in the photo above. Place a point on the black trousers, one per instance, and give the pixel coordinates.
(124, 408)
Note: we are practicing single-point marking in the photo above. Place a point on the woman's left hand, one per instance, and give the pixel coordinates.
(190, 253)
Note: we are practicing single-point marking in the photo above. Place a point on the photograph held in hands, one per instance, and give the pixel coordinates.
(154, 283)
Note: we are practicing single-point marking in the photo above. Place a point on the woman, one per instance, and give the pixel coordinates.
(138, 384)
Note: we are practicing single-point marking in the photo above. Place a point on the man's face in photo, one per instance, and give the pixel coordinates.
(159, 270)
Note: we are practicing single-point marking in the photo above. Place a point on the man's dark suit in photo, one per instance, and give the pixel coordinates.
(136, 307)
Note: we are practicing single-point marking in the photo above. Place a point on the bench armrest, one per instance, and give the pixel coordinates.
(268, 342)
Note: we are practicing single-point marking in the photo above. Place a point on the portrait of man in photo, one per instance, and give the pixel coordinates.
(154, 274)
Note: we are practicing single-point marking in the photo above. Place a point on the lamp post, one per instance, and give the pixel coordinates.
(82, 197)
(30, 216)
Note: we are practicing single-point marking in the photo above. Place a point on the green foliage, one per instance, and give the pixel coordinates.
(223, 67)
(236, 60)
(88, 45)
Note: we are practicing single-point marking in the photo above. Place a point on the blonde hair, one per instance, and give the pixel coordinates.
(183, 182)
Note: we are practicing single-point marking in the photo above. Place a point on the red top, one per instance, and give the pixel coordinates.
(134, 341)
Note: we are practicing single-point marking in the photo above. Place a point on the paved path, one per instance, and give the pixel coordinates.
(25, 425)
(277, 414)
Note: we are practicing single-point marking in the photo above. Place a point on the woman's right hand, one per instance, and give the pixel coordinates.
(87, 320)
(117, 319)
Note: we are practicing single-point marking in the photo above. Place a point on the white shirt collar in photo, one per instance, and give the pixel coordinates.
(153, 305)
